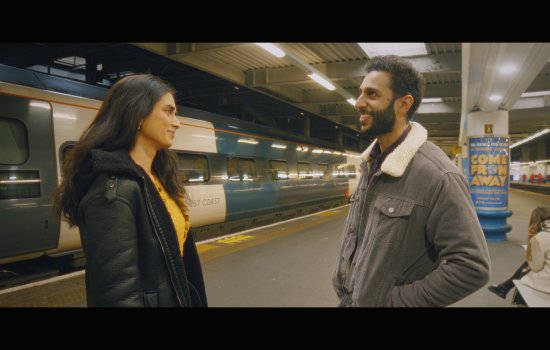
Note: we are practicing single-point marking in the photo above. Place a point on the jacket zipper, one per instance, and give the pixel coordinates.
(347, 270)
(156, 228)
(370, 223)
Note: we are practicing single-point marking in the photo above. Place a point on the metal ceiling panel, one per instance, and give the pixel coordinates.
(277, 84)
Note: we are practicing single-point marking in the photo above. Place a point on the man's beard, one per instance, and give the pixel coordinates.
(382, 121)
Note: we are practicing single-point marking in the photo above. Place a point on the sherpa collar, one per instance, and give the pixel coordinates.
(396, 162)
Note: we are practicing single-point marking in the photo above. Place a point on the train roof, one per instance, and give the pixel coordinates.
(47, 82)
(67, 86)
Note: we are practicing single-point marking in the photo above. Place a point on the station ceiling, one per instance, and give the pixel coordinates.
(245, 81)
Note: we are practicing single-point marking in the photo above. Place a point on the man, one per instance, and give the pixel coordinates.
(412, 236)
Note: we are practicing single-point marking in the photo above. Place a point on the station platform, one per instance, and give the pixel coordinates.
(288, 264)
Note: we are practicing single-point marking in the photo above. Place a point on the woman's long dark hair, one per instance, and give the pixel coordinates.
(115, 126)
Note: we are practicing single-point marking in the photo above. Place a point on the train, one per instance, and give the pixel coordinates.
(237, 175)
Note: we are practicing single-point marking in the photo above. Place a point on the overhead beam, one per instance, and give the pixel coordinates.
(441, 63)
(335, 107)
(440, 107)
(346, 70)
(485, 79)
(443, 90)
(532, 102)
(449, 127)
(541, 83)
(201, 62)
(179, 50)
(326, 96)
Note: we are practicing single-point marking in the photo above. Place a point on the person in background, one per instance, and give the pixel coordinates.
(412, 237)
(538, 257)
(120, 188)
(540, 278)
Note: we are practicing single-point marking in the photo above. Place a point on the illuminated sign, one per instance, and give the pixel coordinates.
(488, 159)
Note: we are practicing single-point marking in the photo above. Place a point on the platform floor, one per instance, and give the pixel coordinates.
(289, 264)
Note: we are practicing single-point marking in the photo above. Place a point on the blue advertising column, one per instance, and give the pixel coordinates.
(489, 169)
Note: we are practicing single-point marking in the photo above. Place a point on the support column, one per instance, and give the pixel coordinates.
(340, 137)
(541, 150)
(91, 70)
(488, 171)
(525, 154)
(307, 126)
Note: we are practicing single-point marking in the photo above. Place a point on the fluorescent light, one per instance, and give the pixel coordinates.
(249, 141)
(319, 79)
(278, 146)
(527, 139)
(399, 49)
(272, 49)
(495, 97)
(508, 69)
(432, 100)
(352, 101)
(535, 94)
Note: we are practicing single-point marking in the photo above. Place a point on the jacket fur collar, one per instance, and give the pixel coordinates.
(396, 162)
(99, 161)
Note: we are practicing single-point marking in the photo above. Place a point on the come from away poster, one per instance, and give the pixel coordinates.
(488, 160)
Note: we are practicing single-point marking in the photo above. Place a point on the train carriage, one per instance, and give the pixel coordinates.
(236, 174)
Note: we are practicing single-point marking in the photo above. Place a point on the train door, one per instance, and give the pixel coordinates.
(27, 177)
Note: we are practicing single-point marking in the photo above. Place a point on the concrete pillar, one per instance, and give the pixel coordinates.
(489, 170)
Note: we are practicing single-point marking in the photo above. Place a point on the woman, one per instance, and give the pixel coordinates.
(120, 188)
(539, 217)
(538, 257)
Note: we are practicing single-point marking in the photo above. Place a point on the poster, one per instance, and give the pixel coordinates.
(488, 169)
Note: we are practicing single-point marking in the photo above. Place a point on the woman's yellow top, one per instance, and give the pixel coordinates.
(178, 217)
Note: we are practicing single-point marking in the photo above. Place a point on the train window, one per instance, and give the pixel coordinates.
(351, 171)
(339, 170)
(241, 169)
(322, 171)
(193, 168)
(13, 142)
(279, 169)
(304, 170)
(15, 184)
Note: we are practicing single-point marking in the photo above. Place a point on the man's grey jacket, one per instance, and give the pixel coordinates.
(412, 236)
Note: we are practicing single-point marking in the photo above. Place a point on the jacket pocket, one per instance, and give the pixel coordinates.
(394, 215)
(420, 268)
(151, 298)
